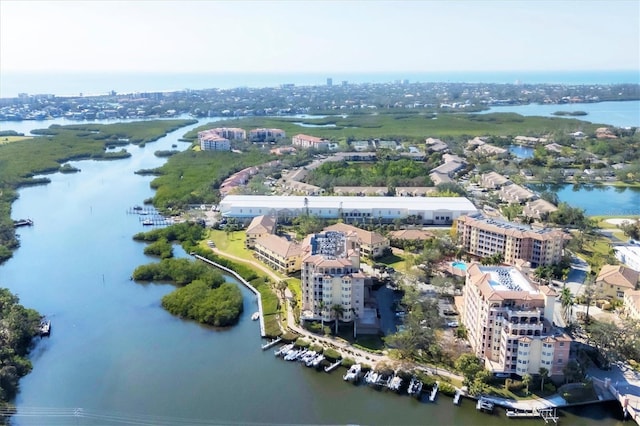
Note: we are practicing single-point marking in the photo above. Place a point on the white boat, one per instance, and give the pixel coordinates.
(291, 354)
(255, 316)
(415, 386)
(309, 356)
(485, 405)
(395, 383)
(316, 361)
(283, 350)
(353, 373)
(373, 378)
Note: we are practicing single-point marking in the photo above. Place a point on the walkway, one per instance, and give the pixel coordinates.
(342, 346)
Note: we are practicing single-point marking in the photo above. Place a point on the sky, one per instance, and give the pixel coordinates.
(318, 36)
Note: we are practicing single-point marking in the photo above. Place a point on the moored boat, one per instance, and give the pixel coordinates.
(485, 405)
(353, 373)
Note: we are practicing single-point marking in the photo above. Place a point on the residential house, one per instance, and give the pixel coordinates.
(493, 180)
(538, 209)
(614, 280)
(259, 226)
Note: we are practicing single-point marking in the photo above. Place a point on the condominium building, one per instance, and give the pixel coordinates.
(483, 237)
(372, 244)
(214, 143)
(266, 135)
(306, 141)
(331, 276)
(279, 253)
(231, 133)
(631, 304)
(509, 322)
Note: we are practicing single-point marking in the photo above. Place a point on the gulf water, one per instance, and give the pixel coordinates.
(72, 84)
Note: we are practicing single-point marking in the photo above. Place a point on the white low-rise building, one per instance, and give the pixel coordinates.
(425, 210)
(629, 255)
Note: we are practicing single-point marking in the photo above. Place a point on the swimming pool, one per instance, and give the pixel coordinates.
(460, 265)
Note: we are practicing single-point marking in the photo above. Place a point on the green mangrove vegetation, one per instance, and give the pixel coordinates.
(204, 296)
(18, 326)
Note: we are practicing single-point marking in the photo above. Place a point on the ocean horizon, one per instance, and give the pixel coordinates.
(100, 83)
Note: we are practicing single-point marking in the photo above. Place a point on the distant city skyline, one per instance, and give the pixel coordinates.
(318, 36)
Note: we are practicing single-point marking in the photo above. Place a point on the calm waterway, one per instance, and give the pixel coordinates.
(620, 114)
(116, 357)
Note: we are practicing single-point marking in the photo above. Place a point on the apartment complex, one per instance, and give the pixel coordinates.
(372, 244)
(266, 135)
(509, 322)
(331, 276)
(631, 304)
(279, 253)
(231, 133)
(306, 141)
(483, 237)
(259, 227)
(214, 143)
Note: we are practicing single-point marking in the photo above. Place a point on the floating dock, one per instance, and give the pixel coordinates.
(333, 366)
(22, 222)
(271, 343)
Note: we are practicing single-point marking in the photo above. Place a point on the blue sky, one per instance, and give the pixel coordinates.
(319, 36)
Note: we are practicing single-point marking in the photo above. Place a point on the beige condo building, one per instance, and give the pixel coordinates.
(483, 237)
(331, 276)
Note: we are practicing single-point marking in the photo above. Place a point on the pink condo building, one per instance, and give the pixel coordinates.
(509, 322)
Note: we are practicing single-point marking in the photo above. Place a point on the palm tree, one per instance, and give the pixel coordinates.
(566, 299)
(544, 373)
(337, 310)
(322, 305)
(526, 380)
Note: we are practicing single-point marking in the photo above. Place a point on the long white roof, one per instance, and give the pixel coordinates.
(349, 203)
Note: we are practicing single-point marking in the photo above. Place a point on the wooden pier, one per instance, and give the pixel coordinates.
(271, 343)
(333, 366)
(22, 222)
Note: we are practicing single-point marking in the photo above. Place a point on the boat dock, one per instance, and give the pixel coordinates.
(434, 392)
(457, 397)
(547, 414)
(333, 366)
(22, 222)
(271, 343)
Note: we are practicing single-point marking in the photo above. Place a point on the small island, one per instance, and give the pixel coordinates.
(203, 296)
(570, 113)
